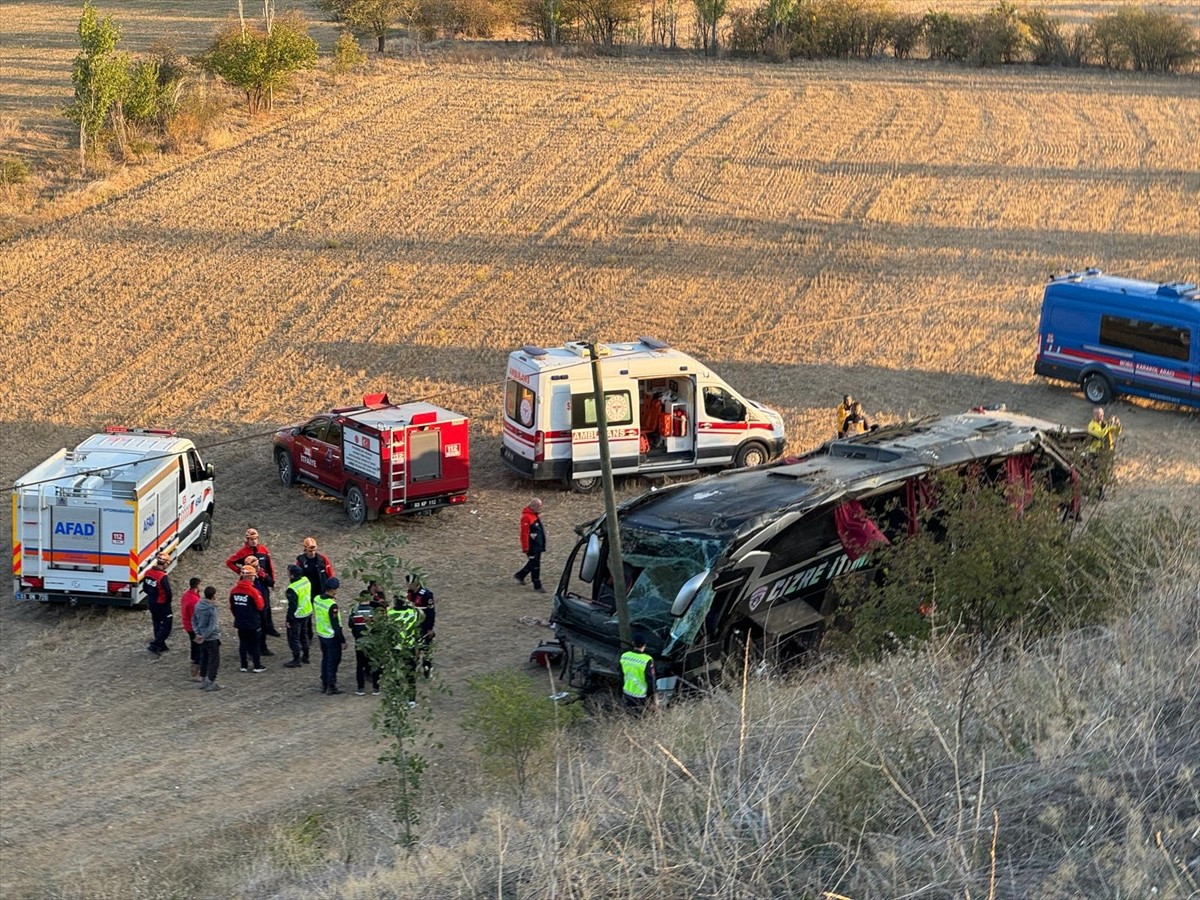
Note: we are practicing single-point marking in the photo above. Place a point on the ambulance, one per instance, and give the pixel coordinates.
(667, 412)
(88, 522)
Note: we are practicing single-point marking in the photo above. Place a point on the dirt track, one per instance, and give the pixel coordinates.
(803, 230)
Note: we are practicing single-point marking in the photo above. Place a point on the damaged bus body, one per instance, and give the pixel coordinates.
(750, 555)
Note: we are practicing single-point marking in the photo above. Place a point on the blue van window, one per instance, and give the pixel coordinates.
(1155, 338)
(1068, 320)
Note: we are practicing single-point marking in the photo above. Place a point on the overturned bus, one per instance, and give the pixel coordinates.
(750, 555)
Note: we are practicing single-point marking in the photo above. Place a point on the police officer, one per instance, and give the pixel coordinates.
(637, 667)
(360, 618)
(156, 588)
(299, 616)
(408, 619)
(329, 633)
(421, 597)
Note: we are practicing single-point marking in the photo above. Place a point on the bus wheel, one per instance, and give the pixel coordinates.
(751, 453)
(585, 485)
(1097, 388)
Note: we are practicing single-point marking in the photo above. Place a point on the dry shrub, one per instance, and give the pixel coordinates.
(1061, 767)
(195, 118)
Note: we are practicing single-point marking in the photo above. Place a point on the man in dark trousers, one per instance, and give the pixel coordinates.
(637, 668)
(266, 576)
(408, 621)
(299, 616)
(360, 618)
(421, 597)
(156, 588)
(245, 602)
(206, 629)
(329, 633)
(533, 544)
(316, 566)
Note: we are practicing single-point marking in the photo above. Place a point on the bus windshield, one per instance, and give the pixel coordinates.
(659, 563)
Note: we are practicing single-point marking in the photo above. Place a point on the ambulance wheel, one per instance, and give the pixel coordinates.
(356, 506)
(585, 485)
(751, 453)
(205, 536)
(1097, 388)
(283, 462)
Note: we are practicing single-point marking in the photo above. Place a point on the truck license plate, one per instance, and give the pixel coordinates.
(426, 504)
(26, 595)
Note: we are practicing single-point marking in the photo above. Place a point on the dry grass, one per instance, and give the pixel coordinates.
(808, 230)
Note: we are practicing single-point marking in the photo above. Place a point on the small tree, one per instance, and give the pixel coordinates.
(372, 17)
(709, 13)
(260, 61)
(399, 716)
(100, 75)
(512, 723)
(347, 54)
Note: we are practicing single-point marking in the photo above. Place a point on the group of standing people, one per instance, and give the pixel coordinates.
(312, 610)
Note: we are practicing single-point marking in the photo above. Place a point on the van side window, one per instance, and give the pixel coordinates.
(618, 408)
(334, 434)
(197, 470)
(519, 403)
(1170, 341)
(720, 404)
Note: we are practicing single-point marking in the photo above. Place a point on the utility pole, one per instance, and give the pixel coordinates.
(616, 565)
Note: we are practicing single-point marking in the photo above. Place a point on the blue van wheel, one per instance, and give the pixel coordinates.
(1097, 388)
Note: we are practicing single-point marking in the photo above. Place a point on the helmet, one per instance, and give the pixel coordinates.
(163, 558)
(252, 534)
(332, 584)
(251, 561)
(248, 570)
(310, 543)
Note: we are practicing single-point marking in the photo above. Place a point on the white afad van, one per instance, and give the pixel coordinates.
(667, 412)
(88, 522)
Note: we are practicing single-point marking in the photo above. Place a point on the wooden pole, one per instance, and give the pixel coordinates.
(616, 564)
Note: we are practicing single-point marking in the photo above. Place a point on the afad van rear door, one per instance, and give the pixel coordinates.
(75, 538)
(623, 433)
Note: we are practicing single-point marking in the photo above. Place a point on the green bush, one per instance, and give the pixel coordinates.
(258, 62)
(347, 54)
(904, 34)
(948, 37)
(13, 171)
(512, 723)
(1148, 40)
(974, 567)
(1047, 41)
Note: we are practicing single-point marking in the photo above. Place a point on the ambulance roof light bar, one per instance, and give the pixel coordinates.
(534, 350)
(654, 343)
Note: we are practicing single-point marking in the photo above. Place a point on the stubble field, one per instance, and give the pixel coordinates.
(811, 230)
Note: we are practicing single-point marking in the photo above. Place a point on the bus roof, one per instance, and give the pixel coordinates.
(722, 504)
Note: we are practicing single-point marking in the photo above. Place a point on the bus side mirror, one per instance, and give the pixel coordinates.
(591, 559)
(687, 594)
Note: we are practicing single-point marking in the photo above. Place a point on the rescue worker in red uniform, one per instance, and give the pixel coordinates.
(246, 603)
(265, 581)
(156, 588)
(421, 597)
(533, 544)
(315, 565)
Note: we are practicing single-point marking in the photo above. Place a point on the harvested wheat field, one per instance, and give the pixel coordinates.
(879, 229)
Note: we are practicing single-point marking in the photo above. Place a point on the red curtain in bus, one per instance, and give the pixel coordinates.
(1018, 470)
(919, 494)
(856, 531)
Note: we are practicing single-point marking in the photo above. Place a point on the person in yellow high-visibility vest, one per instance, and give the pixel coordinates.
(1103, 430)
(299, 616)
(408, 618)
(637, 668)
(329, 633)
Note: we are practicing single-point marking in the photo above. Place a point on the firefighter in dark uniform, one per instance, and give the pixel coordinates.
(316, 565)
(156, 588)
(421, 597)
(299, 616)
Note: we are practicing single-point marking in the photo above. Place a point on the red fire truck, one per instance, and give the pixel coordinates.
(380, 457)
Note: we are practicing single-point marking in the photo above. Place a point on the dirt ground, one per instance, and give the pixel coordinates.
(881, 230)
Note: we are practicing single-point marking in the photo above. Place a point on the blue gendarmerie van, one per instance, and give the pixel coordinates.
(1115, 336)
